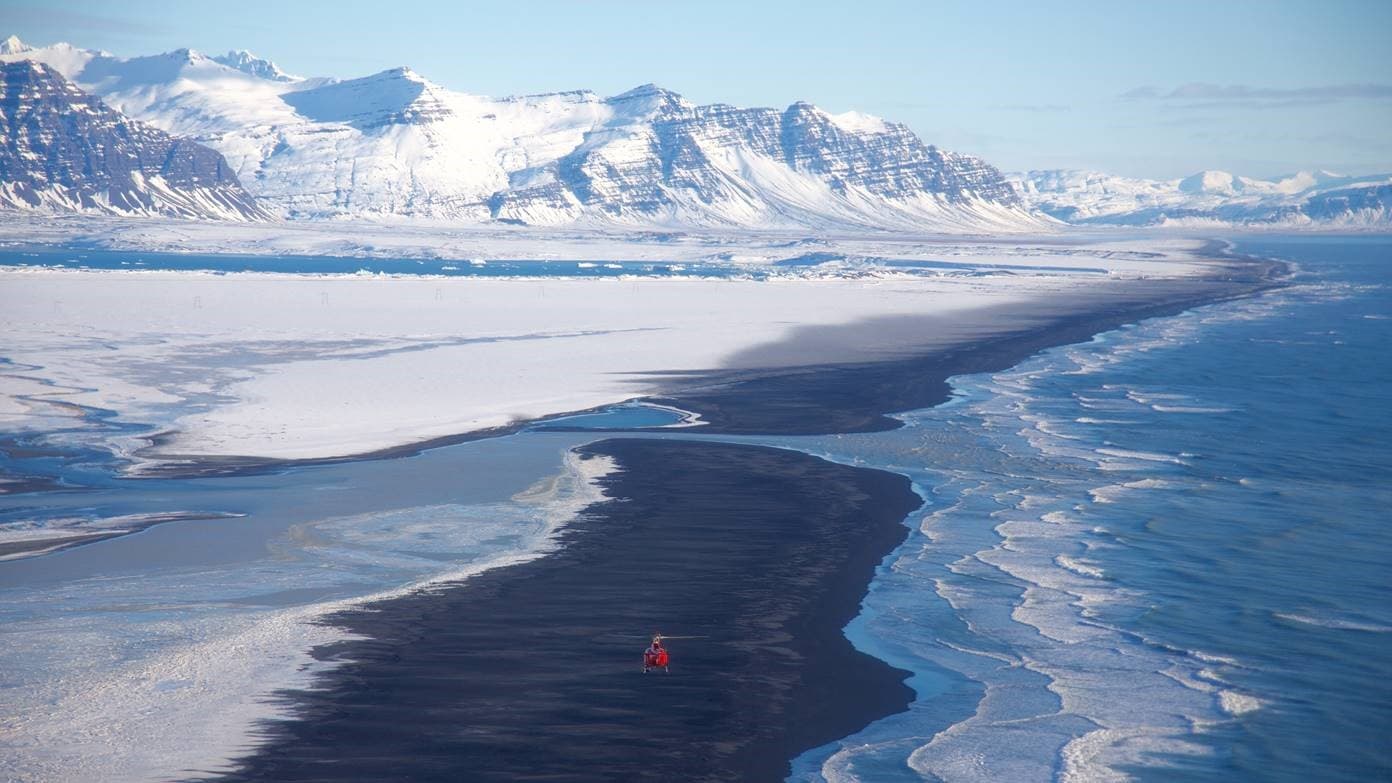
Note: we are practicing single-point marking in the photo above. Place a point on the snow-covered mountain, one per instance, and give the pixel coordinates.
(394, 143)
(248, 63)
(1210, 198)
(64, 150)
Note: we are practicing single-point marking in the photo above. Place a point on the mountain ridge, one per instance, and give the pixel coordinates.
(395, 143)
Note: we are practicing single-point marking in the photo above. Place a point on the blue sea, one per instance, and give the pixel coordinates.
(1164, 554)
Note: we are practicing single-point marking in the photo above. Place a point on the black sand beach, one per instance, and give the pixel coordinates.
(855, 396)
(769, 393)
(532, 672)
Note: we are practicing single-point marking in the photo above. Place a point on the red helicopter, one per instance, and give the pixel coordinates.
(656, 657)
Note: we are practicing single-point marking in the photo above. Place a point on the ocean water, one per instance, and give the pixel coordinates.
(1165, 554)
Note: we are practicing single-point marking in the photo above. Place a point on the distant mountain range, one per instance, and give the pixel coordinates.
(396, 144)
(1210, 198)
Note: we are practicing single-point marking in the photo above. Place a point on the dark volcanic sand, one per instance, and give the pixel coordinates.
(531, 672)
(856, 396)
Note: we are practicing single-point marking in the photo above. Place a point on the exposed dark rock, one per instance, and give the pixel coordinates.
(66, 150)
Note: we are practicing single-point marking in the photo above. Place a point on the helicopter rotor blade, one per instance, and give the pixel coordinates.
(651, 636)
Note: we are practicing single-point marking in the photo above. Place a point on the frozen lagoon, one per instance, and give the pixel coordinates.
(131, 658)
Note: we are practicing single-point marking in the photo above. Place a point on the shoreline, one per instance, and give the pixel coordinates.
(370, 677)
(794, 401)
(325, 373)
(706, 395)
(531, 671)
(742, 387)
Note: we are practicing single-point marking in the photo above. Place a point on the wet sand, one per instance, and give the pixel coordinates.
(532, 672)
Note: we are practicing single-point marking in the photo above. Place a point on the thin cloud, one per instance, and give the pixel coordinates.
(77, 21)
(1037, 108)
(1201, 95)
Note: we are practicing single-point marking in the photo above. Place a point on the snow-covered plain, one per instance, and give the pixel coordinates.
(1126, 251)
(299, 366)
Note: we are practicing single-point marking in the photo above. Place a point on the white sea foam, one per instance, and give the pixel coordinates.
(1335, 623)
(1123, 466)
(1024, 609)
(1235, 703)
(1081, 566)
(1100, 755)
(1079, 657)
(1111, 493)
(1152, 483)
(1107, 494)
(1148, 456)
(1104, 403)
(1150, 398)
(1207, 657)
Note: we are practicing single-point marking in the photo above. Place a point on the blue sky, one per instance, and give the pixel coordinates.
(1154, 89)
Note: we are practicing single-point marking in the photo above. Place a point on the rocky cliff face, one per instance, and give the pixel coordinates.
(660, 157)
(884, 158)
(66, 150)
